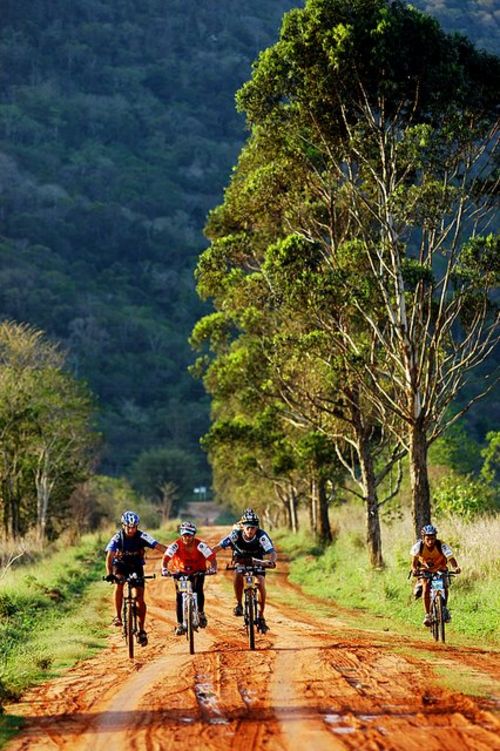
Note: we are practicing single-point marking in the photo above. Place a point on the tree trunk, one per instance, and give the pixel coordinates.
(324, 530)
(373, 536)
(294, 520)
(313, 506)
(369, 486)
(421, 496)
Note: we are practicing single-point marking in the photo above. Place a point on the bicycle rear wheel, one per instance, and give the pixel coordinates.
(250, 617)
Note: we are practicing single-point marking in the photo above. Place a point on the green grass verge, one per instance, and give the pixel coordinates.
(52, 614)
(341, 572)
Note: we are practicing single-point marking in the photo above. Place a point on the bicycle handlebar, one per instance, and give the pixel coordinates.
(426, 574)
(255, 565)
(181, 574)
(131, 578)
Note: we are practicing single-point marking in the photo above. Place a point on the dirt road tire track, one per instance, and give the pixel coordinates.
(312, 683)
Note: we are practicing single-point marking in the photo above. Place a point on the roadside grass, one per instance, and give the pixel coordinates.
(341, 572)
(50, 614)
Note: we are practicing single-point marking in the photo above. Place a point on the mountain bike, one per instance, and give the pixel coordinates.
(190, 611)
(130, 615)
(250, 571)
(439, 583)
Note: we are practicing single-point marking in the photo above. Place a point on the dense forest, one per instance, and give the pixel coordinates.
(118, 132)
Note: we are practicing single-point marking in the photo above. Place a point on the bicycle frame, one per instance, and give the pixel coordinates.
(190, 611)
(439, 582)
(251, 592)
(129, 608)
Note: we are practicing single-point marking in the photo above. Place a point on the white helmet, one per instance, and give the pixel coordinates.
(187, 528)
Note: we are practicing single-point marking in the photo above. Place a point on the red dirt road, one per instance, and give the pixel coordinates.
(313, 684)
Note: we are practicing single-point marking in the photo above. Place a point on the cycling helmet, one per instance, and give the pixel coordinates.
(130, 519)
(249, 518)
(187, 528)
(428, 529)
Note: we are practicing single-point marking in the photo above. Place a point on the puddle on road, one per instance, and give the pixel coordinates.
(338, 724)
(207, 699)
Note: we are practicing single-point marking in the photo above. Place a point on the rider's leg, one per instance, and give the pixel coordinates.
(427, 595)
(262, 599)
(178, 607)
(238, 587)
(118, 600)
(198, 588)
(141, 607)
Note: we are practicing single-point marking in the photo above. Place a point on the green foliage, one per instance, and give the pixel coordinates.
(464, 497)
(155, 468)
(47, 443)
(490, 471)
(456, 450)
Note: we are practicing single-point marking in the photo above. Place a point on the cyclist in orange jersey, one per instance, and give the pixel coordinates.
(188, 555)
(432, 555)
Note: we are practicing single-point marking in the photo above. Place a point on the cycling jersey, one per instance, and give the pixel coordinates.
(257, 547)
(131, 548)
(432, 560)
(185, 558)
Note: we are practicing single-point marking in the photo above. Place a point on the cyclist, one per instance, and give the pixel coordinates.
(125, 556)
(189, 554)
(432, 555)
(247, 540)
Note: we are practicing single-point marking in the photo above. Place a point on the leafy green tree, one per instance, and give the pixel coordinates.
(48, 444)
(363, 97)
(165, 471)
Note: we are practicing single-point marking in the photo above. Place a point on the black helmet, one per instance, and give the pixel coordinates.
(249, 518)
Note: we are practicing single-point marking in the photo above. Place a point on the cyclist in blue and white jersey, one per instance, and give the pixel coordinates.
(249, 541)
(125, 556)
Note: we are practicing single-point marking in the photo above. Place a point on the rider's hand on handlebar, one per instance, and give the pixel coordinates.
(271, 564)
(414, 572)
(110, 578)
(164, 572)
(211, 571)
(457, 570)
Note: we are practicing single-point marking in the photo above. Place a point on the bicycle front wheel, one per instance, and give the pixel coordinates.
(250, 615)
(189, 624)
(441, 630)
(437, 619)
(130, 629)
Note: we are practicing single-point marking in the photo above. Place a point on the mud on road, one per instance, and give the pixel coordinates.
(312, 684)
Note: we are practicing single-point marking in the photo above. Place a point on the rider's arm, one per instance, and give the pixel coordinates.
(415, 564)
(273, 557)
(168, 554)
(212, 562)
(453, 562)
(109, 562)
(160, 547)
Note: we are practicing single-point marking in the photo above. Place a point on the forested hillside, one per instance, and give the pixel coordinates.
(118, 132)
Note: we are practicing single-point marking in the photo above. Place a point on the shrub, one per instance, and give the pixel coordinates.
(463, 497)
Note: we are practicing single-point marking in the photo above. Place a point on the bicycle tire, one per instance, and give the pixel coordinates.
(250, 618)
(441, 624)
(189, 625)
(130, 630)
